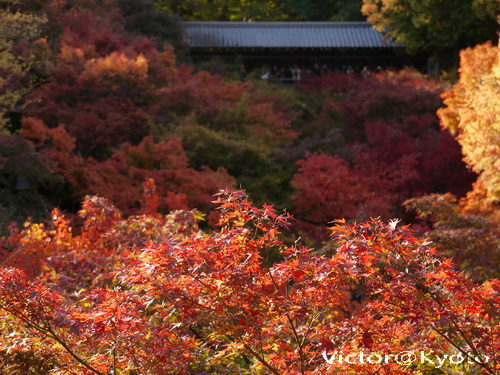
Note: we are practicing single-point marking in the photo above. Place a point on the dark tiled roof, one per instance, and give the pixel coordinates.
(283, 35)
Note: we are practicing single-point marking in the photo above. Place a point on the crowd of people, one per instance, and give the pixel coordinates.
(291, 74)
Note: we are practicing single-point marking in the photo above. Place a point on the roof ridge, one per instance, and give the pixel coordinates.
(300, 34)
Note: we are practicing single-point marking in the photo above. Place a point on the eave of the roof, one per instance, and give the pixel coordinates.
(283, 35)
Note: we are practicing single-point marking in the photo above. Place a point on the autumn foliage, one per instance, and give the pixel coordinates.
(113, 98)
(153, 276)
(109, 95)
(328, 188)
(153, 294)
(468, 228)
(379, 144)
(472, 113)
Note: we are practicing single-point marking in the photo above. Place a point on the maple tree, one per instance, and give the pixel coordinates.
(472, 239)
(167, 298)
(377, 143)
(75, 263)
(102, 101)
(107, 86)
(135, 290)
(326, 188)
(120, 177)
(125, 87)
(472, 113)
(111, 90)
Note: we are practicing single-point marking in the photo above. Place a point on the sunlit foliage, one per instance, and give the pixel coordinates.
(152, 294)
(472, 113)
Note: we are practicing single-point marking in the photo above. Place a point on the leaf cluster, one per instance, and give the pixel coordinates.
(150, 295)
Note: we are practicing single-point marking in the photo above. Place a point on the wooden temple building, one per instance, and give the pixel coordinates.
(338, 45)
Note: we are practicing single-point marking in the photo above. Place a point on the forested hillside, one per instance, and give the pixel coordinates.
(141, 199)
